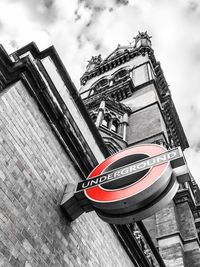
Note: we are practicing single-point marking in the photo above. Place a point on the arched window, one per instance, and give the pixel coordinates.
(111, 83)
(105, 122)
(99, 85)
(114, 127)
(104, 82)
(120, 74)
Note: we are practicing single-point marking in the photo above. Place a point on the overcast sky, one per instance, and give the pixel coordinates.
(80, 29)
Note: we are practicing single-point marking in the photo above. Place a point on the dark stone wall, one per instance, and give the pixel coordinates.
(186, 221)
(192, 258)
(173, 255)
(166, 220)
(169, 241)
(144, 124)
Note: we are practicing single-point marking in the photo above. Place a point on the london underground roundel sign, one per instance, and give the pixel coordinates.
(147, 184)
(132, 184)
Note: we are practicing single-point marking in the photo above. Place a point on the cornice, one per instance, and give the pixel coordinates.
(118, 60)
(173, 122)
(127, 84)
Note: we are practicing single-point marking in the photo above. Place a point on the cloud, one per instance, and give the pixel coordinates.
(80, 29)
(18, 26)
(37, 10)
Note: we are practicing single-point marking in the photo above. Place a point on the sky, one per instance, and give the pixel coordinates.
(80, 29)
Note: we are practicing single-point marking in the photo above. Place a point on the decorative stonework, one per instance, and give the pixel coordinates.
(142, 35)
(95, 60)
(115, 61)
(93, 63)
(175, 130)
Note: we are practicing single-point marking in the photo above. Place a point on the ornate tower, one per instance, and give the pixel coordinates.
(130, 102)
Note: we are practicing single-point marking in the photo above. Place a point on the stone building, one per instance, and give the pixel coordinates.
(48, 138)
(129, 100)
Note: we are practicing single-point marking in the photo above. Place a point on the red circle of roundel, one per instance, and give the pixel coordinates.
(99, 194)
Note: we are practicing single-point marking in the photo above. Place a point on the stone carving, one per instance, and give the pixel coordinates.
(95, 60)
(142, 35)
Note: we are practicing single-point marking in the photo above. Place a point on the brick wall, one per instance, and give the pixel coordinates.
(33, 171)
(189, 234)
(192, 258)
(186, 221)
(166, 220)
(170, 245)
(144, 124)
(173, 255)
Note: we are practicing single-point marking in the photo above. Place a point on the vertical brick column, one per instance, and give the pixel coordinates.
(169, 239)
(189, 234)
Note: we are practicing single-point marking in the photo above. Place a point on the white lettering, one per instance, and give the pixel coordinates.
(102, 179)
(85, 185)
(151, 162)
(141, 165)
(171, 154)
(125, 171)
(117, 173)
(110, 176)
(95, 182)
(161, 158)
(132, 168)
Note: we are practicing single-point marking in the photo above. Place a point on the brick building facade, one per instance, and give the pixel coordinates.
(42, 148)
(48, 138)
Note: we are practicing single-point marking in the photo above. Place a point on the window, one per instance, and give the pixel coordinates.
(105, 122)
(111, 83)
(120, 74)
(103, 82)
(92, 92)
(114, 127)
(100, 84)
